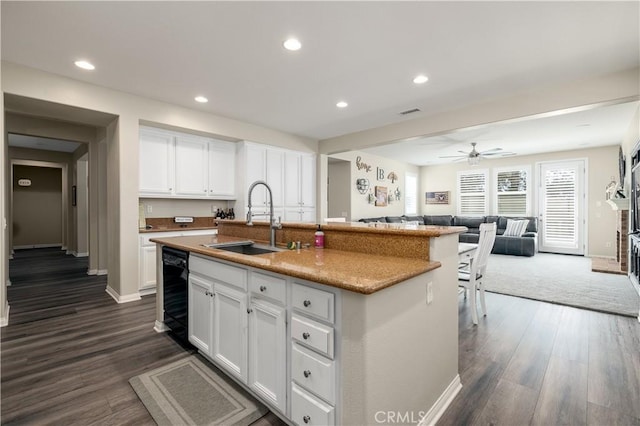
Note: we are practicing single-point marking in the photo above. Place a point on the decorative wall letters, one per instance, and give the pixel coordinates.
(360, 165)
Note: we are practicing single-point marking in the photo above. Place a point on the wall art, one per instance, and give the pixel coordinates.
(381, 196)
(437, 197)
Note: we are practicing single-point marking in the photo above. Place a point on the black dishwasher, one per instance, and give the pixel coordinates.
(175, 271)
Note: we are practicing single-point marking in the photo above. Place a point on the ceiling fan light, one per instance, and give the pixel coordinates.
(473, 161)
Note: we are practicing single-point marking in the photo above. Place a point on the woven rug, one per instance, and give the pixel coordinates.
(563, 279)
(190, 392)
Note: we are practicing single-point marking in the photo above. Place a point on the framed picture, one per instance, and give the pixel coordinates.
(74, 195)
(381, 196)
(437, 197)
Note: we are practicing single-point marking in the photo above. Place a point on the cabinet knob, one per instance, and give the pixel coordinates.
(306, 373)
(249, 310)
(306, 419)
(263, 288)
(305, 335)
(306, 303)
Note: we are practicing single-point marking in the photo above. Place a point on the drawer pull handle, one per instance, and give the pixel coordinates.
(306, 419)
(305, 335)
(263, 288)
(306, 303)
(306, 373)
(249, 310)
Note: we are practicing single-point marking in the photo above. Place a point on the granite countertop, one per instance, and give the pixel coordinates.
(357, 272)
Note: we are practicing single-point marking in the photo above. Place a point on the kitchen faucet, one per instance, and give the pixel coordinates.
(273, 224)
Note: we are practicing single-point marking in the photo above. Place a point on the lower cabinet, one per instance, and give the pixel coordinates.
(230, 330)
(267, 352)
(239, 319)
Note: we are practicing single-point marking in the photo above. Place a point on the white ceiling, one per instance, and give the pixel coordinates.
(366, 53)
(46, 144)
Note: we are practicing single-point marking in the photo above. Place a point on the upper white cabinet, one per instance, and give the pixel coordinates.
(156, 163)
(291, 175)
(192, 166)
(178, 165)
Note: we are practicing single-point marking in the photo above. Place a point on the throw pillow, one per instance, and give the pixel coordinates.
(515, 228)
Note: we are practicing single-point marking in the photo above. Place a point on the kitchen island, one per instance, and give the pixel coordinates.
(364, 331)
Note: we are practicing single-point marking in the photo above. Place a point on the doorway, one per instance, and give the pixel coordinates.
(37, 205)
(562, 207)
(339, 188)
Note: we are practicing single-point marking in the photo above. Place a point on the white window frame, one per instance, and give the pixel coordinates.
(410, 194)
(528, 192)
(485, 193)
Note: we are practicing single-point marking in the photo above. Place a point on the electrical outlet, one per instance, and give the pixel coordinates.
(213, 208)
(429, 292)
(149, 208)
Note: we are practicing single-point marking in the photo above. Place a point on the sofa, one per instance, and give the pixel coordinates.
(525, 245)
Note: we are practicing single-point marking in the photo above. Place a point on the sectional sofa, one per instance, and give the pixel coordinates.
(525, 245)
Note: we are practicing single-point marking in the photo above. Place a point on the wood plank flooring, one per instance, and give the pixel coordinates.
(69, 350)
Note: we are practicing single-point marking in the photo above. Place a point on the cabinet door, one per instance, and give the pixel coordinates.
(308, 180)
(147, 267)
(292, 179)
(222, 170)
(275, 175)
(308, 215)
(292, 215)
(156, 163)
(191, 166)
(200, 315)
(230, 330)
(267, 352)
(256, 170)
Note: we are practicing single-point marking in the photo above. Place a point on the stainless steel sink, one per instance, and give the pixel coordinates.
(244, 247)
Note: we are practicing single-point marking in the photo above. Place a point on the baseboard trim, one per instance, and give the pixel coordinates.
(81, 254)
(102, 272)
(147, 291)
(4, 321)
(8, 282)
(92, 272)
(160, 327)
(122, 299)
(33, 246)
(443, 402)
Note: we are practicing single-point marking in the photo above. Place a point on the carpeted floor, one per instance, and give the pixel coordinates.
(563, 279)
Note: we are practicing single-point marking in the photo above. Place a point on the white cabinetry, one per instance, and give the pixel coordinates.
(192, 166)
(267, 338)
(147, 265)
(291, 176)
(179, 165)
(246, 312)
(156, 163)
(200, 315)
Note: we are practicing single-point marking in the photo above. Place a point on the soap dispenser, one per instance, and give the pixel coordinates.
(319, 240)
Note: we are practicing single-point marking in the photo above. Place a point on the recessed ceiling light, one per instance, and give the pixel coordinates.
(201, 99)
(342, 104)
(85, 65)
(292, 44)
(420, 79)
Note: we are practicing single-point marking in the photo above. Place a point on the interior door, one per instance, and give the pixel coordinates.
(562, 212)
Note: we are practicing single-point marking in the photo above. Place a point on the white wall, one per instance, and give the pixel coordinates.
(339, 189)
(602, 165)
(360, 207)
(122, 151)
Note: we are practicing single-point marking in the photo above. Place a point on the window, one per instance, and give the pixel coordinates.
(472, 193)
(512, 191)
(411, 194)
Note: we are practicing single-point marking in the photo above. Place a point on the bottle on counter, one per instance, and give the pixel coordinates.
(319, 238)
(232, 215)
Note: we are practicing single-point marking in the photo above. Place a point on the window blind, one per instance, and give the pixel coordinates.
(560, 207)
(411, 194)
(472, 196)
(512, 192)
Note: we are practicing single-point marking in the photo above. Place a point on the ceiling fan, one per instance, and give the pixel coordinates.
(473, 157)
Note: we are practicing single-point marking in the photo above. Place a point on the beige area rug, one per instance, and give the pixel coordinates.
(563, 279)
(190, 392)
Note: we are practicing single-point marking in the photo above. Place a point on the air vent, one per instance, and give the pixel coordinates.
(410, 111)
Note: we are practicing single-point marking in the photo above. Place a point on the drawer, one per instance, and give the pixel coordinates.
(312, 334)
(317, 303)
(268, 286)
(219, 271)
(306, 409)
(313, 372)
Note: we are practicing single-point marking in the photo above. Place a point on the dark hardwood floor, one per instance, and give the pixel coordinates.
(69, 351)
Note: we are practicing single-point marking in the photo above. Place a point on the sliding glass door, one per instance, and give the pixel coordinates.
(562, 200)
